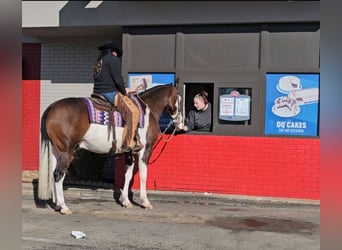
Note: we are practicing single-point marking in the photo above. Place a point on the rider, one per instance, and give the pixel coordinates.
(109, 83)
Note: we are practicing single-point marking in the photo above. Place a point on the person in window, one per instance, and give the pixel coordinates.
(199, 118)
(109, 83)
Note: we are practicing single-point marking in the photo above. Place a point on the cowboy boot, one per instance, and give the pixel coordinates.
(124, 146)
(137, 143)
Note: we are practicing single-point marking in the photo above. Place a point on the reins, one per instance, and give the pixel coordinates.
(162, 134)
(165, 142)
(167, 127)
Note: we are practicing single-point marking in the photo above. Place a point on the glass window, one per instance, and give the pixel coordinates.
(234, 105)
(191, 89)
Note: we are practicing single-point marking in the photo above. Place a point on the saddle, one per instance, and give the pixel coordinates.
(101, 100)
(114, 114)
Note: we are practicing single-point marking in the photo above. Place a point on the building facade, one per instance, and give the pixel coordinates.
(260, 144)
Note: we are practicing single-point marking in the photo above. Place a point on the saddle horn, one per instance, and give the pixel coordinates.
(142, 86)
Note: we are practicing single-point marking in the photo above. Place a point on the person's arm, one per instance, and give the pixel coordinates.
(190, 121)
(115, 72)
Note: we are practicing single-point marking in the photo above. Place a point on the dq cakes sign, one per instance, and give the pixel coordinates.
(292, 104)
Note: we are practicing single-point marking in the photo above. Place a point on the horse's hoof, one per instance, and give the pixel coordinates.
(66, 211)
(148, 206)
(127, 205)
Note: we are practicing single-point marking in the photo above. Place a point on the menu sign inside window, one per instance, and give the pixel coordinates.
(234, 107)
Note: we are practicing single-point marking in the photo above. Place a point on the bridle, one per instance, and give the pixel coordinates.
(176, 119)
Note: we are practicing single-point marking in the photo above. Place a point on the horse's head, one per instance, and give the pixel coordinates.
(174, 109)
(164, 97)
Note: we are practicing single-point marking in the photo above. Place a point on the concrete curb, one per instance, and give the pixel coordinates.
(106, 192)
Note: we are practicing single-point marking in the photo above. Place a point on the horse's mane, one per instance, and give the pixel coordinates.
(150, 92)
(153, 96)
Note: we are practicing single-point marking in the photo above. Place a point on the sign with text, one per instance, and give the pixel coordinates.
(292, 104)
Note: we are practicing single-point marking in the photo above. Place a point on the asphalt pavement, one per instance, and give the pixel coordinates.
(178, 221)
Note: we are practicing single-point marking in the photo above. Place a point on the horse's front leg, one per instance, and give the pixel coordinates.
(128, 177)
(143, 178)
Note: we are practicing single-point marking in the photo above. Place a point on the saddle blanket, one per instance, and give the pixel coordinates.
(102, 117)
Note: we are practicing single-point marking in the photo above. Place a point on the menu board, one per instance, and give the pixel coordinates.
(234, 107)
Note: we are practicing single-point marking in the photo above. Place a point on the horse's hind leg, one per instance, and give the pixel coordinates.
(63, 162)
(60, 203)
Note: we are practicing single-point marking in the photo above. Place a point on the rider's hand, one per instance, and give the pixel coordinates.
(128, 90)
(185, 128)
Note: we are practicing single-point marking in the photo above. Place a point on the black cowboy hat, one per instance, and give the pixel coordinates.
(113, 46)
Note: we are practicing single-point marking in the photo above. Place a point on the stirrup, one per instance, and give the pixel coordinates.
(137, 147)
(123, 150)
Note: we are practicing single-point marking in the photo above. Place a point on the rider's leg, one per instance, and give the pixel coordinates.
(130, 114)
(134, 139)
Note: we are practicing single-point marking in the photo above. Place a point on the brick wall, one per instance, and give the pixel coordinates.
(30, 124)
(68, 62)
(255, 166)
(30, 105)
(66, 70)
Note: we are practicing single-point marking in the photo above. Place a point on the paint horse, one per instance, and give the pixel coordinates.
(66, 126)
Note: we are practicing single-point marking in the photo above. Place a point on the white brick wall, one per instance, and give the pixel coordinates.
(51, 92)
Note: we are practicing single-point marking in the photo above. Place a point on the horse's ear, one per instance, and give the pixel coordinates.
(177, 82)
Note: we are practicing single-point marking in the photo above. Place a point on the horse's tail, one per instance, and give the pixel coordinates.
(45, 176)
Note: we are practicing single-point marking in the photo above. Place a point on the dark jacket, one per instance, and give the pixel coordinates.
(109, 79)
(199, 120)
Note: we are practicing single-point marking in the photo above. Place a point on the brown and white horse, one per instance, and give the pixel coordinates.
(65, 127)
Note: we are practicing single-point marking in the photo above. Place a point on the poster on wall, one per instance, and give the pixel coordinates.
(292, 104)
(152, 80)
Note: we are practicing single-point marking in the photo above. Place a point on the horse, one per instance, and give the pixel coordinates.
(65, 128)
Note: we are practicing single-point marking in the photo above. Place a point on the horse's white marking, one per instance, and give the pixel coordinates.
(129, 168)
(97, 139)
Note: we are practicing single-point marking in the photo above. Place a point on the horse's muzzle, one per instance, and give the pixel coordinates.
(178, 120)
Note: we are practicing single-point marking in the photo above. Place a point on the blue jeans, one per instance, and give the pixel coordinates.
(110, 96)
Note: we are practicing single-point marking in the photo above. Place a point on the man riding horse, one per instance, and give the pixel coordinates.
(109, 83)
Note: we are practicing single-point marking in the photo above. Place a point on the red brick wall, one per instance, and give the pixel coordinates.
(30, 106)
(255, 166)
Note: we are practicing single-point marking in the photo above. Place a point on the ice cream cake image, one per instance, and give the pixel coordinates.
(305, 96)
(285, 106)
(288, 83)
